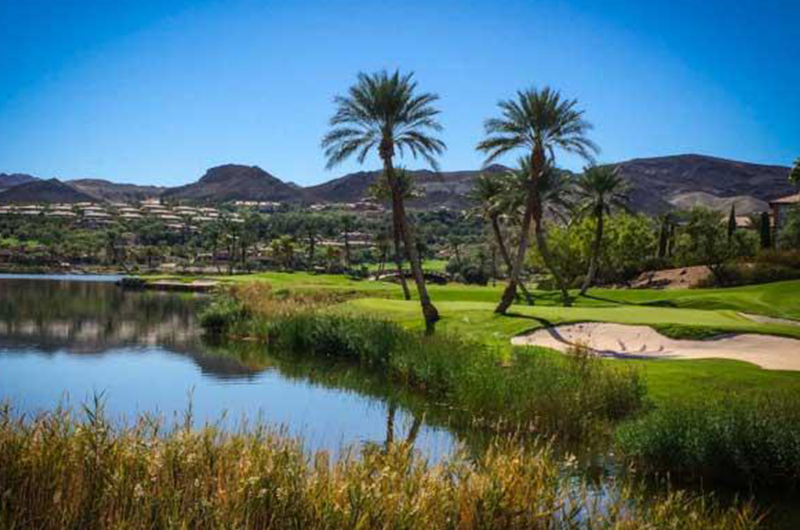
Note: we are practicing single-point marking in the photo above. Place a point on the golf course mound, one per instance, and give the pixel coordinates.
(643, 342)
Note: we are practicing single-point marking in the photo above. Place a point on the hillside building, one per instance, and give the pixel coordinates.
(781, 208)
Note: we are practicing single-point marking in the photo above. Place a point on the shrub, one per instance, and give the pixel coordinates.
(748, 438)
(789, 236)
(222, 314)
(768, 266)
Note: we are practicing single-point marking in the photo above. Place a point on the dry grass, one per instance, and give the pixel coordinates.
(59, 472)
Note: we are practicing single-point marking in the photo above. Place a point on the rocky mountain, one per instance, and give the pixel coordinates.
(683, 181)
(657, 185)
(236, 182)
(446, 188)
(14, 179)
(104, 190)
(43, 191)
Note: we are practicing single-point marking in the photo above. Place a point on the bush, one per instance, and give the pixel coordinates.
(470, 270)
(223, 314)
(739, 439)
(768, 266)
(789, 236)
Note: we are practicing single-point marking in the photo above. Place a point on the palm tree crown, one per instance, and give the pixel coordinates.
(487, 194)
(539, 120)
(383, 111)
(602, 187)
(380, 191)
(554, 189)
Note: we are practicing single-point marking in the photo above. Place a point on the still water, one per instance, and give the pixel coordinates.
(65, 339)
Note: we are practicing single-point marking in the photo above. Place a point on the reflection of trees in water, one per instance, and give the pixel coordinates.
(88, 318)
(91, 317)
(344, 376)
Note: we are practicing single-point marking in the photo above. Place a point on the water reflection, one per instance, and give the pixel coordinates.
(145, 350)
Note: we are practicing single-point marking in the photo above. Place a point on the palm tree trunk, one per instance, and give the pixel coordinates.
(501, 245)
(541, 243)
(390, 413)
(399, 212)
(398, 260)
(413, 432)
(531, 204)
(596, 247)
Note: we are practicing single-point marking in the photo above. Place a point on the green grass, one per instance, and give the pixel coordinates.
(779, 299)
(694, 313)
(438, 265)
(666, 379)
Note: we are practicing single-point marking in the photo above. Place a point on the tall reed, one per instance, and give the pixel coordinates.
(59, 471)
(753, 438)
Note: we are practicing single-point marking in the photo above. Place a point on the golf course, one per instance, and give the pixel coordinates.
(699, 314)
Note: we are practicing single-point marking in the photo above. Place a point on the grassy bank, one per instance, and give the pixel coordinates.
(62, 472)
(572, 396)
(534, 389)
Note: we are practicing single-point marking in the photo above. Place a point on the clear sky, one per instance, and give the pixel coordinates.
(156, 91)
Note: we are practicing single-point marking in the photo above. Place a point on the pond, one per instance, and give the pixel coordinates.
(64, 340)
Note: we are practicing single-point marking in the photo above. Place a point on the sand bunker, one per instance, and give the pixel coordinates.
(643, 342)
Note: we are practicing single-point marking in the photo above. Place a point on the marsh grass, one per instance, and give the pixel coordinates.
(573, 396)
(66, 471)
(752, 439)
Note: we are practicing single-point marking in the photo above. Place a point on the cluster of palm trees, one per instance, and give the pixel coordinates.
(384, 113)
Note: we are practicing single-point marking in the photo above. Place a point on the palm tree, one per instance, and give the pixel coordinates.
(601, 188)
(555, 198)
(541, 122)
(383, 112)
(489, 193)
(381, 192)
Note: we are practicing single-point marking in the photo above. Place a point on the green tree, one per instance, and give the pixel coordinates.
(600, 188)
(789, 236)
(384, 112)
(704, 241)
(794, 174)
(541, 122)
(283, 249)
(731, 222)
(487, 195)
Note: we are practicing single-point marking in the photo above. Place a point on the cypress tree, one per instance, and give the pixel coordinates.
(663, 237)
(765, 231)
(732, 222)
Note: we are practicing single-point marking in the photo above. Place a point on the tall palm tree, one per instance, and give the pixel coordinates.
(381, 192)
(384, 112)
(555, 198)
(541, 122)
(600, 188)
(489, 193)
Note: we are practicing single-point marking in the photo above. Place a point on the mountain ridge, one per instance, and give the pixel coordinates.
(45, 191)
(657, 184)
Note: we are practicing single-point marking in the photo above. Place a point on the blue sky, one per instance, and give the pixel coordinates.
(153, 91)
